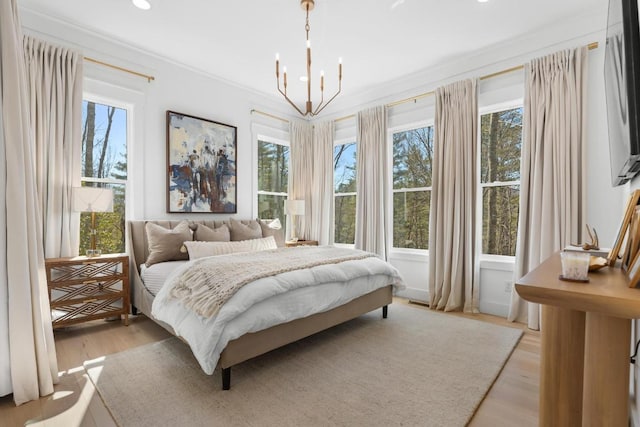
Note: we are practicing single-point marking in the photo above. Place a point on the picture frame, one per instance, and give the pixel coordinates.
(201, 165)
(633, 272)
(624, 228)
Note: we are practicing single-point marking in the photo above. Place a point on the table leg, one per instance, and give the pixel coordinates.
(606, 371)
(561, 366)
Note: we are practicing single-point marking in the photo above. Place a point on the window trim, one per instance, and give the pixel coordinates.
(488, 109)
(336, 142)
(390, 132)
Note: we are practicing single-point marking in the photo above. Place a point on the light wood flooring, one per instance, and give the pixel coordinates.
(512, 400)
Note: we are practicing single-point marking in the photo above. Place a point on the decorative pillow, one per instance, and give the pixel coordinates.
(165, 244)
(204, 249)
(208, 234)
(244, 230)
(273, 228)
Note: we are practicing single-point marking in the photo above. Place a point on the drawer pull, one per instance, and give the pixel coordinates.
(90, 300)
(88, 282)
(88, 262)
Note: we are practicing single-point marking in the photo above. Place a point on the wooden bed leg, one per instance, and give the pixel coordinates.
(384, 311)
(226, 378)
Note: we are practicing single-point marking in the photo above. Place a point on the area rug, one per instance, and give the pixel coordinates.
(417, 367)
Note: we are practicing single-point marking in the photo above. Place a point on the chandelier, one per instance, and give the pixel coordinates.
(308, 5)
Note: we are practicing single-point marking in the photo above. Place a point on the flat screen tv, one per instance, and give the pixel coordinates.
(622, 83)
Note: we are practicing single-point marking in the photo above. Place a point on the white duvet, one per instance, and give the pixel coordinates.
(270, 301)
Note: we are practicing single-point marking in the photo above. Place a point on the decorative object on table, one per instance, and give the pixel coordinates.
(596, 263)
(575, 266)
(633, 240)
(92, 199)
(308, 6)
(294, 208)
(201, 165)
(593, 239)
(633, 272)
(624, 227)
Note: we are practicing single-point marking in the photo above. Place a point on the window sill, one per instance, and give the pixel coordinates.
(497, 262)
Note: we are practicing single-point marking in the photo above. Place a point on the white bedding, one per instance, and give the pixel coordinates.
(270, 301)
(155, 276)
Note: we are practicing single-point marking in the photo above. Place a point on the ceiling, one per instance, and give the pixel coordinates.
(379, 40)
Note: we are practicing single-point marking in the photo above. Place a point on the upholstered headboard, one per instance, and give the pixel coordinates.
(138, 250)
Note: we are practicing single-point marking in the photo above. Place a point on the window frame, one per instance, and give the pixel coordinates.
(261, 137)
(336, 142)
(488, 109)
(132, 102)
(390, 132)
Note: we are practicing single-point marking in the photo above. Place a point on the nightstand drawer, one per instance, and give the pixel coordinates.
(82, 289)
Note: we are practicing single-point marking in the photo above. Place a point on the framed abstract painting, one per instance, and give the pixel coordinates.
(201, 165)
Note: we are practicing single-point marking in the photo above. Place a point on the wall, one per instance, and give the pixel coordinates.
(184, 90)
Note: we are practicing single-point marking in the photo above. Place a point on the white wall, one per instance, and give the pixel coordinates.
(184, 90)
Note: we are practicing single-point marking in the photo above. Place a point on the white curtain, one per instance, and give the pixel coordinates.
(552, 183)
(372, 182)
(32, 357)
(453, 263)
(321, 225)
(301, 176)
(54, 78)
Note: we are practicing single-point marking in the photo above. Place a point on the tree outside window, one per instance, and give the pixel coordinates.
(104, 164)
(344, 190)
(412, 168)
(501, 142)
(273, 180)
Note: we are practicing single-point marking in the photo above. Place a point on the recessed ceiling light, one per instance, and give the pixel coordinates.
(141, 4)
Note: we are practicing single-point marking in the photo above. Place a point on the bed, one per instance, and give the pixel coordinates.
(366, 294)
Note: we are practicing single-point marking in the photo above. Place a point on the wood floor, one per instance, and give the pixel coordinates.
(512, 400)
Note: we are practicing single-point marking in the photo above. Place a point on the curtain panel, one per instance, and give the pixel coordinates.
(372, 182)
(322, 203)
(453, 251)
(552, 187)
(301, 176)
(54, 79)
(32, 358)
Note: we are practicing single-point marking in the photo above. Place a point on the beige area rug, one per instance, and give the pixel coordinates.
(415, 368)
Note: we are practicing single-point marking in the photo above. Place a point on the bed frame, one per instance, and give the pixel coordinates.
(251, 344)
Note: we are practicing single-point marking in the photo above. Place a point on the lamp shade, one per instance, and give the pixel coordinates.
(294, 207)
(91, 199)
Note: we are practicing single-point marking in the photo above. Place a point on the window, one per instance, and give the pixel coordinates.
(273, 179)
(501, 141)
(104, 164)
(412, 168)
(344, 190)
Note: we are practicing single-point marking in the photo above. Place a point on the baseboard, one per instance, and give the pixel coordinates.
(414, 294)
(496, 309)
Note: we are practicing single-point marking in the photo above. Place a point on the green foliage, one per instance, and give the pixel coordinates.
(273, 167)
(501, 143)
(344, 181)
(412, 170)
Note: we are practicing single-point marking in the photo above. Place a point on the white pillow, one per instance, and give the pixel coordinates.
(203, 249)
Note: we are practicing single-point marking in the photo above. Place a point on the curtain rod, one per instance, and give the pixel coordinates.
(590, 46)
(269, 115)
(135, 73)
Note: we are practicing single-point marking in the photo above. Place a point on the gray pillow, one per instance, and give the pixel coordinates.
(208, 234)
(244, 230)
(166, 244)
(273, 227)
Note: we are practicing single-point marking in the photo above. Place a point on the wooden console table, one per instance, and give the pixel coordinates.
(586, 335)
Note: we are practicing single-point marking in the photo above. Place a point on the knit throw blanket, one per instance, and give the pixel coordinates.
(207, 283)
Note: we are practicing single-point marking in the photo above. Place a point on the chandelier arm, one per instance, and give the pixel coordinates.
(290, 102)
(320, 104)
(319, 110)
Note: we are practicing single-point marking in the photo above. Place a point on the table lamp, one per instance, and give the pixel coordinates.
(293, 208)
(92, 199)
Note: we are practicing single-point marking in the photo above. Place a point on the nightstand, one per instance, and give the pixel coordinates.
(292, 243)
(82, 288)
